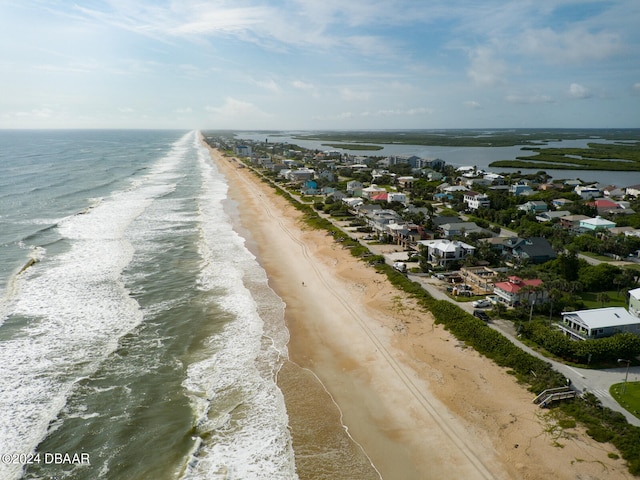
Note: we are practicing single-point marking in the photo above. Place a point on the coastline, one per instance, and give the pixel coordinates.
(417, 401)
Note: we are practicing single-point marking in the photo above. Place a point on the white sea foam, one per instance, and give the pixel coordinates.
(73, 309)
(240, 410)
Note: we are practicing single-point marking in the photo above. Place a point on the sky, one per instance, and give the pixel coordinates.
(319, 64)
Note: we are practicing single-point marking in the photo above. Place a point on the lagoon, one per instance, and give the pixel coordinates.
(480, 157)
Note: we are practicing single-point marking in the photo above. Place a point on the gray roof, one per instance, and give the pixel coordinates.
(603, 317)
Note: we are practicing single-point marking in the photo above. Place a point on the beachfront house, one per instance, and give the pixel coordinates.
(598, 323)
(443, 252)
(516, 290)
(634, 302)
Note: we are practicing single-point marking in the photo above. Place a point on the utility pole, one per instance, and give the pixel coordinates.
(626, 377)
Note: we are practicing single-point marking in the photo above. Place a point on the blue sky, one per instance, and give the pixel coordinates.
(319, 64)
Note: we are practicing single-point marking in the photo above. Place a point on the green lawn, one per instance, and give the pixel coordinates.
(630, 399)
(591, 300)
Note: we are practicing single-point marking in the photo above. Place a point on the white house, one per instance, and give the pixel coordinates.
(441, 252)
(634, 302)
(587, 191)
(597, 223)
(475, 200)
(598, 323)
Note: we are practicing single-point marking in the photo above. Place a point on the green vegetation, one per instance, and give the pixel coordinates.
(353, 146)
(628, 396)
(598, 156)
(468, 138)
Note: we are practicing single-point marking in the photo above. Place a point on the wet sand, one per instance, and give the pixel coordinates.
(417, 403)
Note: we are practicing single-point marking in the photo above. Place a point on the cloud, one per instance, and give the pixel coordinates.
(472, 104)
(269, 85)
(636, 87)
(350, 95)
(237, 109)
(300, 85)
(579, 91)
(528, 99)
(575, 46)
(398, 112)
(485, 69)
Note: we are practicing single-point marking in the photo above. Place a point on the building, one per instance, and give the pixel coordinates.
(475, 200)
(598, 323)
(533, 250)
(534, 206)
(442, 252)
(515, 290)
(634, 302)
(633, 190)
(461, 229)
(243, 150)
(587, 191)
(598, 223)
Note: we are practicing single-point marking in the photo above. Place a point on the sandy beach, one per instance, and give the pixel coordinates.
(416, 403)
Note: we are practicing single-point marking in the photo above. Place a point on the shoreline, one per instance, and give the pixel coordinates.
(420, 403)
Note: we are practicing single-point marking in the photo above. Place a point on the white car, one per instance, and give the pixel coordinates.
(481, 303)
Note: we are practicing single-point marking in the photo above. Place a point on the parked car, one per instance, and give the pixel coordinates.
(484, 303)
(481, 315)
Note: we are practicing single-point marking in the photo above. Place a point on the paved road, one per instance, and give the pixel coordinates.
(585, 380)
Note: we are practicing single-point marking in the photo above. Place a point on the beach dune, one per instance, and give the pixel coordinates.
(374, 389)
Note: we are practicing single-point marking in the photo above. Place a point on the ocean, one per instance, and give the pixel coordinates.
(139, 337)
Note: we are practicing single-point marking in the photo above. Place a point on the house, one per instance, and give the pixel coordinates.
(513, 291)
(243, 150)
(379, 197)
(442, 252)
(520, 188)
(300, 175)
(397, 197)
(598, 323)
(533, 250)
(354, 187)
(633, 190)
(549, 216)
(310, 187)
(572, 222)
(559, 203)
(405, 182)
(441, 197)
(461, 229)
(534, 206)
(634, 302)
(373, 190)
(475, 200)
(587, 191)
(595, 224)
